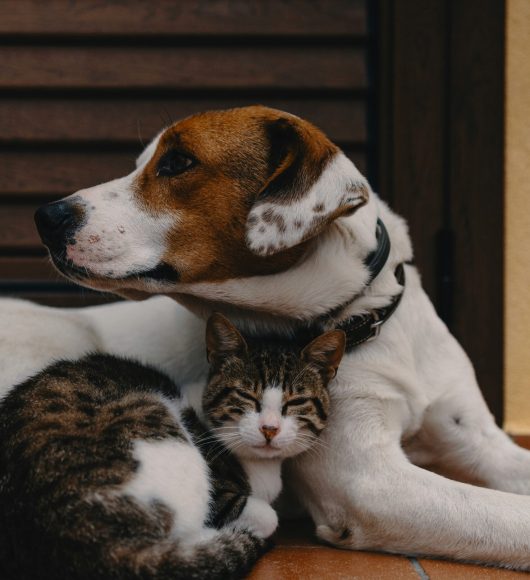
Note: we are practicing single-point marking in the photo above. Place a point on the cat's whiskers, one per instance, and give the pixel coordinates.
(216, 442)
(223, 450)
(214, 437)
(312, 445)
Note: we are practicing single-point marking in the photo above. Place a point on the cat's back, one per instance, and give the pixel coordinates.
(79, 419)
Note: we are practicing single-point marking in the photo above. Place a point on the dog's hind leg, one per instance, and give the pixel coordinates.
(459, 439)
(363, 493)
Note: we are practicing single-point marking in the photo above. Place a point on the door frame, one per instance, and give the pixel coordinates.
(439, 134)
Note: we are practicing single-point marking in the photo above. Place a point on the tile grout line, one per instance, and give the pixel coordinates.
(419, 569)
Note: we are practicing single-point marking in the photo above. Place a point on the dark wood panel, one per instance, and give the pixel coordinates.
(59, 173)
(183, 68)
(444, 166)
(170, 17)
(124, 119)
(476, 184)
(17, 229)
(412, 126)
(62, 300)
(21, 268)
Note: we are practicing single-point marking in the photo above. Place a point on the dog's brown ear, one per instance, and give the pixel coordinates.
(326, 352)
(311, 183)
(222, 338)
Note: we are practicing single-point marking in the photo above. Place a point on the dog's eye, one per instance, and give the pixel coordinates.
(173, 163)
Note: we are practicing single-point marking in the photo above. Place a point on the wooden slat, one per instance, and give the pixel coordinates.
(182, 68)
(17, 229)
(63, 172)
(63, 300)
(59, 173)
(171, 17)
(122, 120)
(27, 269)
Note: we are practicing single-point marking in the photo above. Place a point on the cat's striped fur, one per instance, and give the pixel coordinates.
(67, 450)
(238, 384)
(77, 442)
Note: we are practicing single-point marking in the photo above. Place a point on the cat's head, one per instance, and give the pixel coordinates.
(268, 400)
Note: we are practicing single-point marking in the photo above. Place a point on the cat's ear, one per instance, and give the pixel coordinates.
(326, 352)
(223, 338)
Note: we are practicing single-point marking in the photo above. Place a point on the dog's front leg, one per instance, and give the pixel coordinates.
(363, 493)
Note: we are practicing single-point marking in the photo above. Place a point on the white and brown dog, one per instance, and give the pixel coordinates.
(255, 213)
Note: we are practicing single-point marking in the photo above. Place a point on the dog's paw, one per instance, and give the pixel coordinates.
(258, 517)
(340, 537)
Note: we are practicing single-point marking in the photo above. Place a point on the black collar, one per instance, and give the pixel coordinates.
(359, 328)
(376, 260)
(365, 327)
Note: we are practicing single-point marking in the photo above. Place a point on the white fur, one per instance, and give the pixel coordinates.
(258, 517)
(31, 337)
(248, 442)
(118, 237)
(332, 190)
(395, 401)
(173, 472)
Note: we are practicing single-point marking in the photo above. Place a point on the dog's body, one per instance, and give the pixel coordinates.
(406, 401)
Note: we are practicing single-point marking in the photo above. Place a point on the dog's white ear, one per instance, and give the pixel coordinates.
(311, 184)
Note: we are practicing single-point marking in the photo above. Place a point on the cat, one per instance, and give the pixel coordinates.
(106, 473)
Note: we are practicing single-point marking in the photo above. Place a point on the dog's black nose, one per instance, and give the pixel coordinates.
(56, 221)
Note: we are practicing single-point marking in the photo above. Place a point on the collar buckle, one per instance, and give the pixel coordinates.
(375, 327)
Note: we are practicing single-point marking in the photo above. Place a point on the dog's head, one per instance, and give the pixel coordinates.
(219, 195)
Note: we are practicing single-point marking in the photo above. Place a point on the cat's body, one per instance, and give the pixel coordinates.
(105, 474)
(100, 479)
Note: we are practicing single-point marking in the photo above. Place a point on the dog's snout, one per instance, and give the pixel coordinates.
(55, 221)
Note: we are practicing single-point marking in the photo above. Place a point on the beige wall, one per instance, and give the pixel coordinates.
(517, 224)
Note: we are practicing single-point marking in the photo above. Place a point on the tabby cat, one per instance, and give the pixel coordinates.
(105, 474)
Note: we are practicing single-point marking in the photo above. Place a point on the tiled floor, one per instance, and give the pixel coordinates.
(297, 556)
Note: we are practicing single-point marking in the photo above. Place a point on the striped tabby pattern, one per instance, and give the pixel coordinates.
(237, 385)
(66, 449)
(79, 501)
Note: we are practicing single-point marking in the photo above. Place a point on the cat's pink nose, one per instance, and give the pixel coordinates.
(269, 431)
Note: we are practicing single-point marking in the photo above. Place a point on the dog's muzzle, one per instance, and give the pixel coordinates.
(57, 223)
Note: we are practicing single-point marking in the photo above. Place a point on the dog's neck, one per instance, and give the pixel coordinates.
(333, 273)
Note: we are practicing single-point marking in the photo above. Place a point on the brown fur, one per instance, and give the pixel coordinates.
(234, 154)
(67, 438)
(66, 447)
(241, 370)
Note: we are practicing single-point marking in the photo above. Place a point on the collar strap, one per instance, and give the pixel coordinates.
(366, 327)
(376, 260)
(359, 328)
(362, 328)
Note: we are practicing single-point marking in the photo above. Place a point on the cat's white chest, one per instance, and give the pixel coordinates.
(265, 478)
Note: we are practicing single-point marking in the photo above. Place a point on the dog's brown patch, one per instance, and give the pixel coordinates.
(210, 202)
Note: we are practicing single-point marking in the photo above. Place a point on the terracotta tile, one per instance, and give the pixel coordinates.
(322, 563)
(441, 570)
(522, 440)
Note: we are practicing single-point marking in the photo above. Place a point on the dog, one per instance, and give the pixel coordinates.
(253, 212)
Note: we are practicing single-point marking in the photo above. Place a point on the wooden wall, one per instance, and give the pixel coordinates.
(84, 82)
(441, 152)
